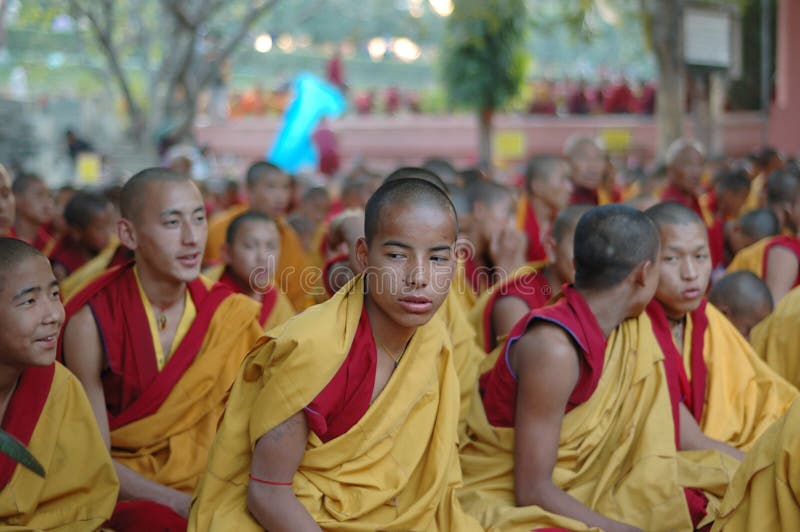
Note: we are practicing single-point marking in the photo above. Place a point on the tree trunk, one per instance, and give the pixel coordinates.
(664, 19)
(485, 138)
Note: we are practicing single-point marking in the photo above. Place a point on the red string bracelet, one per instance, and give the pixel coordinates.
(269, 482)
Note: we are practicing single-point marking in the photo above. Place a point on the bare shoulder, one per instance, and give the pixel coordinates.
(82, 323)
(545, 344)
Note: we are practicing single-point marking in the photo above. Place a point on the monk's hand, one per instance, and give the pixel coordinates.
(507, 251)
(180, 503)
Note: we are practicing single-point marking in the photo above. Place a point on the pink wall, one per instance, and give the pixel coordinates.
(784, 118)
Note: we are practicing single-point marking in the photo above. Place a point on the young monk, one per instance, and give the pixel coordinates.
(269, 191)
(776, 338)
(748, 229)
(34, 210)
(156, 348)
(744, 299)
(727, 389)
(588, 165)
(45, 408)
(341, 266)
(251, 251)
(7, 203)
(530, 287)
(365, 437)
(89, 217)
(547, 191)
(572, 427)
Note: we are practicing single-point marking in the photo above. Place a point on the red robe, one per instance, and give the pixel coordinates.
(67, 253)
(270, 296)
(584, 196)
(531, 227)
(43, 241)
(498, 386)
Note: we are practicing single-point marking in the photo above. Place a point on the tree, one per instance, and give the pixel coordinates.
(484, 59)
(177, 46)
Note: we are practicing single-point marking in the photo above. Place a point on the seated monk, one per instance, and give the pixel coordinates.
(269, 191)
(462, 288)
(764, 494)
(114, 254)
(574, 426)
(547, 191)
(587, 160)
(745, 231)
(777, 338)
(251, 251)
(530, 287)
(341, 265)
(743, 298)
(363, 438)
(89, 218)
(732, 394)
(34, 210)
(44, 406)
(157, 348)
(7, 203)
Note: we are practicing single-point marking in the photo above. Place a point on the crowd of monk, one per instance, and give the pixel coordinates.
(430, 350)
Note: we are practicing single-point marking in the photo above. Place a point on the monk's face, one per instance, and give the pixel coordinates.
(6, 204)
(35, 203)
(687, 170)
(492, 218)
(169, 234)
(98, 233)
(410, 262)
(271, 194)
(685, 268)
(253, 254)
(31, 314)
(588, 165)
(556, 188)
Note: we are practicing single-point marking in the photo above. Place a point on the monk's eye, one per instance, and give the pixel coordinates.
(55, 293)
(701, 256)
(171, 223)
(440, 259)
(395, 256)
(27, 302)
(200, 218)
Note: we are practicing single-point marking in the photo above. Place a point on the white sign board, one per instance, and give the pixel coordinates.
(707, 37)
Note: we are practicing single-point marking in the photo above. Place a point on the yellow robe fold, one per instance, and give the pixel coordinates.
(466, 296)
(751, 258)
(171, 446)
(765, 491)
(744, 396)
(777, 338)
(616, 454)
(396, 469)
(293, 275)
(80, 488)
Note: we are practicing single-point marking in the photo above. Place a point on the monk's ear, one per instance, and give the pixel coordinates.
(127, 233)
(362, 254)
(642, 273)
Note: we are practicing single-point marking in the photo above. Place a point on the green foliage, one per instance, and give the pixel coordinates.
(484, 57)
(11, 447)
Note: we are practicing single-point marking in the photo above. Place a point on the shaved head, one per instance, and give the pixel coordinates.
(411, 172)
(487, 193)
(759, 223)
(673, 213)
(541, 167)
(741, 292)
(13, 252)
(567, 219)
(134, 193)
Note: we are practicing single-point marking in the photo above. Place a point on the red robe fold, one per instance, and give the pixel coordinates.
(23, 411)
(531, 227)
(584, 196)
(342, 257)
(134, 387)
(270, 296)
(43, 241)
(67, 253)
(346, 398)
(498, 386)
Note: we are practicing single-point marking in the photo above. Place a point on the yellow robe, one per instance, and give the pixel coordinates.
(777, 338)
(743, 395)
(765, 491)
(464, 293)
(294, 275)
(80, 488)
(616, 454)
(91, 270)
(751, 258)
(396, 469)
(171, 445)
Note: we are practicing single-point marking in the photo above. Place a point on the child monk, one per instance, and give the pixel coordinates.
(34, 210)
(547, 191)
(573, 426)
(531, 286)
(363, 438)
(89, 219)
(45, 408)
(7, 203)
(743, 298)
(727, 389)
(269, 191)
(251, 251)
(156, 348)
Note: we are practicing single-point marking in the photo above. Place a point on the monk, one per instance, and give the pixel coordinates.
(530, 287)
(776, 339)
(365, 437)
(269, 191)
(743, 298)
(251, 251)
(45, 408)
(588, 165)
(763, 494)
(7, 203)
(156, 348)
(573, 427)
(89, 217)
(341, 266)
(34, 210)
(464, 290)
(748, 229)
(547, 191)
(497, 247)
(732, 394)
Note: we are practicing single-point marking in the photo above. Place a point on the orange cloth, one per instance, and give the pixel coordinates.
(292, 273)
(80, 488)
(396, 469)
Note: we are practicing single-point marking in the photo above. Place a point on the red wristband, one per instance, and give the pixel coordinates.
(269, 482)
